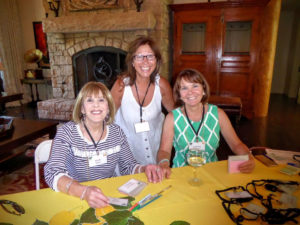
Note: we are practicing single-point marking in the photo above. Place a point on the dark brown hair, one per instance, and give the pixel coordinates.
(193, 76)
(143, 40)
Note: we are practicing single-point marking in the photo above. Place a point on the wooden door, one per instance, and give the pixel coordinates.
(227, 55)
(237, 60)
(198, 57)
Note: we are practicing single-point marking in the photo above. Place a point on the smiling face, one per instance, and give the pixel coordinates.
(95, 108)
(190, 93)
(144, 63)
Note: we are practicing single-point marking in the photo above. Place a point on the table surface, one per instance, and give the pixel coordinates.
(10, 98)
(196, 205)
(36, 81)
(25, 131)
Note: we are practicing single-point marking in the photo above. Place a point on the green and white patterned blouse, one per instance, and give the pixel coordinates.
(183, 134)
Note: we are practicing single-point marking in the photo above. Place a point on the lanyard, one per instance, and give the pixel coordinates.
(91, 137)
(141, 104)
(196, 133)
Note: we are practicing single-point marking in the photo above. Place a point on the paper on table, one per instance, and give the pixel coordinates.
(132, 187)
(281, 156)
(234, 161)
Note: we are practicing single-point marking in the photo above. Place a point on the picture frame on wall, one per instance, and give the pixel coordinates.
(41, 43)
(88, 5)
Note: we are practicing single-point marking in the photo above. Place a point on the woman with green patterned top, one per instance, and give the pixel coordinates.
(196, 121)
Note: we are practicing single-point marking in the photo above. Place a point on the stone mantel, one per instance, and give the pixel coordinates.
(105, 22)
(72, 32)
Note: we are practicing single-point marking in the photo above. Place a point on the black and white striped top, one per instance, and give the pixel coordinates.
(71, 152)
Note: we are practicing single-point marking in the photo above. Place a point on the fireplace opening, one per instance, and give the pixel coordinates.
(101, 64)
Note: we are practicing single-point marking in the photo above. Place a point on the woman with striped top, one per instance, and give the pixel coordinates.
(197, 123)
(90, 147)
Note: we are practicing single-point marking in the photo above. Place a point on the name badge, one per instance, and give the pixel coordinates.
(142, 127)
(197, 146)
(98, 160)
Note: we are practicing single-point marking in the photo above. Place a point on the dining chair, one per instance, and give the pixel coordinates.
(41, 155)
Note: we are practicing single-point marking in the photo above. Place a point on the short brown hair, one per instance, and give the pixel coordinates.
(93, 88)
(142, 40)
(193, 76)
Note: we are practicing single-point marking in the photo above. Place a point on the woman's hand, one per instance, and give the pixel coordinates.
(95, 197)
(154, 173)
(165, 169)
(248, 166)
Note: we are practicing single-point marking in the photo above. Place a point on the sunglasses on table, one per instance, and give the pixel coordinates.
(12, 207)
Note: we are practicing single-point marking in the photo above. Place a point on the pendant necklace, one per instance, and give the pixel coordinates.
(191, 125)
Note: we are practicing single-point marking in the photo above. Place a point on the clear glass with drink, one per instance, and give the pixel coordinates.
(196, 158)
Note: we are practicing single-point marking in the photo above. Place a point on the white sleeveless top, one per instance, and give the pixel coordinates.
(145, 145)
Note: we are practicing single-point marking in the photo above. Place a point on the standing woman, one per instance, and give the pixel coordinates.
(197, 122)
(90, 147)
(138, 96)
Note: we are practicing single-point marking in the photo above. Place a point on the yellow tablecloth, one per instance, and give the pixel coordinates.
(196, 205)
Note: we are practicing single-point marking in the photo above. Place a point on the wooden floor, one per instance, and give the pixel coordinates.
(279, 130)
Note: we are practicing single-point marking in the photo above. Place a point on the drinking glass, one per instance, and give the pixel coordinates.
(196, 158)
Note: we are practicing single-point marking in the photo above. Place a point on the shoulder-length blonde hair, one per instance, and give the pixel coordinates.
(193, 76)
(142, 40)
(89, 89)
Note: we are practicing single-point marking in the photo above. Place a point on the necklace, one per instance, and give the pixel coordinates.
(188, 119)
(141, 104)
(91, 137)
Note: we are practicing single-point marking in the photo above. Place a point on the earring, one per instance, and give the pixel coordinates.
(106, 119)
(203, 93)
(83, 116)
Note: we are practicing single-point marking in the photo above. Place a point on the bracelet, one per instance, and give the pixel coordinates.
(68, 186)
(163, 160)
(140, 167)
(83, 193)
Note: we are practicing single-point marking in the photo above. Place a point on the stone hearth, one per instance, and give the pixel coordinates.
(73, 32)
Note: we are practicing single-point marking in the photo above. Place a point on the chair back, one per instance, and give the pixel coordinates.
(41, 155)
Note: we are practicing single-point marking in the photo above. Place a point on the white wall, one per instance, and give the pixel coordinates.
(282, 52)
(31, 11)
(293, 85)
(286, 75)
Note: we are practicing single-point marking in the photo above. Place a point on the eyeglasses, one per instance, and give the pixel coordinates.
(12, 207)
(140, 58)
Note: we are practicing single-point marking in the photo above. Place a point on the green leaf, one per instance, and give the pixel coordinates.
(130, 199)
(117, 217)
(180, 222)
(39, 222)
(75, 222)
(89, 216)
(134, 221)
(6, 223)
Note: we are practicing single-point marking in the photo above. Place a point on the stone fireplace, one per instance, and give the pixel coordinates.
(102, 64)
(78, 39)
